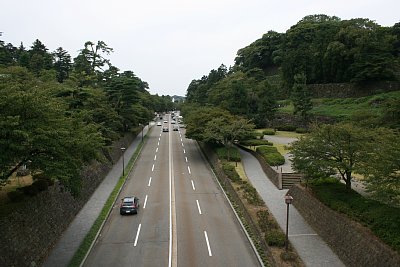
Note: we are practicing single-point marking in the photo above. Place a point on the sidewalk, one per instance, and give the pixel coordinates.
(310, 247)
(80, 226)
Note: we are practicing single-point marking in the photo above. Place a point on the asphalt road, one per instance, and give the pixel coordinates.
(184, 218)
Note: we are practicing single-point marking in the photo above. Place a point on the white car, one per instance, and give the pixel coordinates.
(159, 123)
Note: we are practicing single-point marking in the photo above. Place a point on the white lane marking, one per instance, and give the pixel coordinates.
(208, 244)
(137, 235)
(189, 170)
(149, 182)
(155, 157)
(181, 140)
(194, 189)
(152, 168)
(145, 201)
(158, 143)
(157, 150)
(198, 206)
(184, 151)
(182, 144)
(186, 159)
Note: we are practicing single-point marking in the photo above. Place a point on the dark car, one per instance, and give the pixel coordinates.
(129, 205)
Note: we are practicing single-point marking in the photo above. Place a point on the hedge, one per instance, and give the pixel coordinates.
(271, 155)
(256, 142)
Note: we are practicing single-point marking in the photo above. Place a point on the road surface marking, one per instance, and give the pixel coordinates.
(149, 182)
(194, 189)
(155, 157)
(173, 240)
(182, 144)
(157, 150)
(158, 144)
(189, 170)
(198, 206)
(181, 140)
(186, 159)
(137, 235)
(152, 168)
(208, 244)
(145, 201)
(184, 151)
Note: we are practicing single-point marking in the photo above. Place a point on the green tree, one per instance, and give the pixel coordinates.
(301, 97)
(62, 64)
(328, 149)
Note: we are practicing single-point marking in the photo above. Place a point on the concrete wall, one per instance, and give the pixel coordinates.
(29, 233)
(354, 244)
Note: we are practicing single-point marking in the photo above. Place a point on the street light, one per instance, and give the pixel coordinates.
(288, 201)
(123, 160)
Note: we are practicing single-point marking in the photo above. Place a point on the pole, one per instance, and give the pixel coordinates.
(287, 227)
(123, 164)
(142, 132)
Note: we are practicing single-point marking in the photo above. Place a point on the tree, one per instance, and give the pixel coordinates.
(301, 97)
(39, 58)
(328, 149)
(62, 64)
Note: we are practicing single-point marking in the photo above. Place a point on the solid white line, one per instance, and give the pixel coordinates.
(149, 182)
(189, 169)
(157, 150)
(198, 206)
(186, 159)
(194, 189)
(184, 151)
(208, 244)
(145, 201)
(152, 168)
(137, 235)
(155, 157)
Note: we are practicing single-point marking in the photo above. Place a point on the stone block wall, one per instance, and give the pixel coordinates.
(353, 243)
(28, 234)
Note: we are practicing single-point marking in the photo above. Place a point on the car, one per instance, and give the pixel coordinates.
(129, 205)
(165, 121)
(175, 128)
(165, 129)
(173, 122)
(158, 123)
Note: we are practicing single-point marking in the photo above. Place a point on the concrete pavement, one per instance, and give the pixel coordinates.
(308, 244)
(80, 226)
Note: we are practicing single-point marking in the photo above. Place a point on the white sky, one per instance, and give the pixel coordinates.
(170, 43)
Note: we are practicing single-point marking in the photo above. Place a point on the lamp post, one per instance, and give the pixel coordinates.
(123, 160)
(288, 201)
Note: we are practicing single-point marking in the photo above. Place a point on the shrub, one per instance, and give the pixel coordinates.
(301, 130)
(271, 155)
(250, 193)
(287, 127)
(29, 190)
(41, 185)
(275, 238)
(233, 154)
(288, 256)
(269, 132)
(231, 172)
(255, 142)
(15, 196)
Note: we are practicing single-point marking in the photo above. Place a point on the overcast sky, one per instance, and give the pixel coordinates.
(170, 43)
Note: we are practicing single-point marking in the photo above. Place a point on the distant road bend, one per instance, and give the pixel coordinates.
(184, 218)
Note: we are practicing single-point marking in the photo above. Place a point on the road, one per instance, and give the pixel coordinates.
(184, 218)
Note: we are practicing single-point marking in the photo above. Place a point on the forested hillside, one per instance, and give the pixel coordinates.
(58, 113)
(319, 49)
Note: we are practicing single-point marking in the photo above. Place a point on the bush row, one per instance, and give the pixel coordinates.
(382, 219)
(271, 155)
(231, 155)
(256, 142)
(40, 183)
(231, 172)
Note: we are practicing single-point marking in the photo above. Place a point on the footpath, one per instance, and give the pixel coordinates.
(313, 251)
(69, 243)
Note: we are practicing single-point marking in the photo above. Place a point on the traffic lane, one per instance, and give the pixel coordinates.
(116, 245)
(205, 216)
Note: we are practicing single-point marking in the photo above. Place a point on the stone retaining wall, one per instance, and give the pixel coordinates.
(28, 234)
(353, 243)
